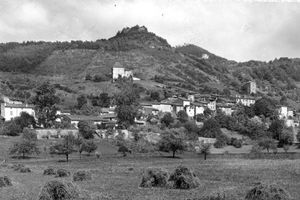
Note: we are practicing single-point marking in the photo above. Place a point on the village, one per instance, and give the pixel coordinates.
(194, 105)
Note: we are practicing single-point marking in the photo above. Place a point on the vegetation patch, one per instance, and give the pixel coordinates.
(155, 177)
(267, 192)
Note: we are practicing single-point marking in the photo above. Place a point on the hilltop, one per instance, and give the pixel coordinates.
(151, 58)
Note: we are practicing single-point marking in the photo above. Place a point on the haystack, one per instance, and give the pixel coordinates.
(267, 192)
(62, 173)
(155, 177)
(5, 181)
(49, 171)
(184, 178)
(82, 176)
(56, 190)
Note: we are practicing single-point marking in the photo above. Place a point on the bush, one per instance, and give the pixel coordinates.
(49, 171)
(184, 178)
(155, 177)
(221, 141)
(56, 190)
(5, 181)
(82, 176)
(25, 170)
(62, 173)
(123, 149)
(267, 192)
(237, 143)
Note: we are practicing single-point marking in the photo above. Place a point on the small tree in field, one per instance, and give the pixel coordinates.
(205, 149)
(267, 143)
(171, 142)
(66, 147)
(24, 147)
(87, 146)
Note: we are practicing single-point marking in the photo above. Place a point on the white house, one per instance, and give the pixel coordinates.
(246, 101)
(12, 110)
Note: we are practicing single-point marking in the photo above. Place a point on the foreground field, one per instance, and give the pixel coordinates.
(118, 178)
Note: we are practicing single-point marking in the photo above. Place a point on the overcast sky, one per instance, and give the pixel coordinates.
(235, 30)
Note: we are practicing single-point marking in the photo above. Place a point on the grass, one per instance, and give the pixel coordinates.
(113, 177)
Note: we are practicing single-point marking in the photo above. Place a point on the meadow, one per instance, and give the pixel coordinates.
(117, 177)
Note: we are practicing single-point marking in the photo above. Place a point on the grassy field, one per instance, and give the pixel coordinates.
(116, 177)
(113, 178)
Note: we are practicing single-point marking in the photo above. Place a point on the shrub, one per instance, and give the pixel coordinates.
(62, 173)
(49, 171)
(154, 177)
(237, 143)
(221, 141)
(82, 176)
(25, 170)
(123, 149)
(267, 192)
(56, 190)
(184, 178)
(5, 181)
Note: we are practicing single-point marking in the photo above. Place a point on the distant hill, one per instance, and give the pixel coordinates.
(189, 68)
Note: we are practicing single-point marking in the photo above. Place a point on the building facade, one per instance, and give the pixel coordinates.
(12, 110)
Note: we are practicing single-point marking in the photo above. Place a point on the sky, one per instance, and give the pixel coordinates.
(236, 30)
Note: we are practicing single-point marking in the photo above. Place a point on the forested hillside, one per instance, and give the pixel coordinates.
(85, 67)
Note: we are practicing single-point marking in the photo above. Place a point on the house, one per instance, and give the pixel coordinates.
(250, 87)
(226, 109)
(284, 112)
(244, 100)
(101, 119)
(12, 110)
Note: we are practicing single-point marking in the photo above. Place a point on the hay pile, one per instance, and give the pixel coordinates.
(25, 170)
(5, 181)
(17, 167)
(56, 190)
(82, 176)
(155, 177)
(184, 178)
(267, 192)
(62, 173)
(49, 171)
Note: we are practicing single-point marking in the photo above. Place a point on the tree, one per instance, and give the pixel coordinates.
(167, 119)
(286, 138)
(267, 143)
(154, 95)
(211, 128)
(81, 100)
(29, 134)
(171, 142)
(87, 146)
(207, 112)
(86, 129)
(66, 147)
(126, 106)
(205, 149)
(45, 102)
(182, 116)
(298, 136)
(276, 128)
(25, 120)
(104, 100)
(265, 106)
(11, 128)
(24, 147)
